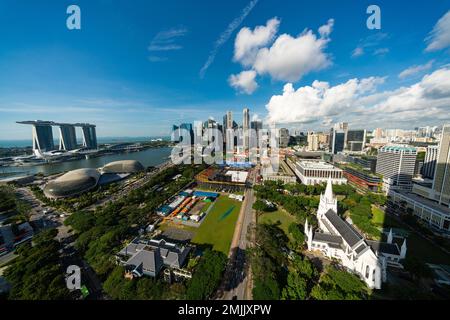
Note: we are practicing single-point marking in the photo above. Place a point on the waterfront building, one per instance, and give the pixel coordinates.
(76, 182)
(336, 239)
(312, 172)
(89, 136)
(396, 164)
(68, 138)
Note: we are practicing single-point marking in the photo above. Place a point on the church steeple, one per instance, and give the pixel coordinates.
(329, 189)
(327, 200)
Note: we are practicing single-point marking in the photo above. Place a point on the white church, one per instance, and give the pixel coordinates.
(336, 238)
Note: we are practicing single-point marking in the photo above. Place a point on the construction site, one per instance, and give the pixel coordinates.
(188, 207)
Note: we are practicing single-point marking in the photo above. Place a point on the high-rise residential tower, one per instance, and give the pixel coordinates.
(396, 164)
(429, 165)
(441, 181)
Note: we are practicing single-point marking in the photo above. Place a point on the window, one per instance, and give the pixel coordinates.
(367, 272)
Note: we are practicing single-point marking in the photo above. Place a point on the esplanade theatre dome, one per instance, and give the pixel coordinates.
(72, 183)
(124, 166)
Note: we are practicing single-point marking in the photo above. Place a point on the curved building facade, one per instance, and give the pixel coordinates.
(72, 183)
(124, 166)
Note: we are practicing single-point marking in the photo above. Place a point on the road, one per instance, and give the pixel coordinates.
(236, 283)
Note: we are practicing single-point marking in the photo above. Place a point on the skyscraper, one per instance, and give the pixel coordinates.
(68, 138)
(337, 140)
(283, 137)
(313, 141)
(256, 126)
(396, 164)
(246, 127)
(429, 165)
(355, 140)
(441, 181)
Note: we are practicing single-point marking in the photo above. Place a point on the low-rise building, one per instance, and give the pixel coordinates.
(312, 172)
(148, 257)
(431, 213)
(362, 178)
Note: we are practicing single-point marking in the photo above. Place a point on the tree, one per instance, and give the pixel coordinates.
(266, 289)
(207, 275)
(297, 234)
(37, 274)
(259, 206)
(417, 268)
(296, 288)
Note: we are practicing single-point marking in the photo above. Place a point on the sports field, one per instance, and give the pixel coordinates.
(279, 216)
(218, 227)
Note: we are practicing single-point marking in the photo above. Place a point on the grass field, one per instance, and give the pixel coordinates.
(417, 246)
(280, 215)
(381, 219)
(218, 227)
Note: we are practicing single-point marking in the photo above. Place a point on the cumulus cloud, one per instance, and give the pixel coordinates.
(290, 58)
(244, 82)
(429, 99)
(286, 58)
(415, 69)
(439, 37)
(249, 41)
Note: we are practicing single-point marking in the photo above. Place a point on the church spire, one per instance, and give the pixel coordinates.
(329, 189)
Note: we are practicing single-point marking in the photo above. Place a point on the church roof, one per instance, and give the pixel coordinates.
(326, 237)
(349, 234)
(384, 247)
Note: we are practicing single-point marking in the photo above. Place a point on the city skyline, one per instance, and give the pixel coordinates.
(387, 75)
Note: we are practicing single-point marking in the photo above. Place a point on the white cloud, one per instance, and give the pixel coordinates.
(369, 44)
(249, 41)
(381, 51)
(326, 29)
(357, 102)
(439, 37)
(244, 81)
(415, 69)
(359, 51)
(166, 41)
(157, 59)
(290, 58)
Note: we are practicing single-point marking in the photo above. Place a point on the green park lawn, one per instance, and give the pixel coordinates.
(281, 216)
(218, 227)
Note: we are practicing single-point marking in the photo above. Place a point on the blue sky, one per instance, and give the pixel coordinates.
(134, 67)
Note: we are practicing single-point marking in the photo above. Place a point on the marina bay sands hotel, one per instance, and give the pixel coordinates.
(43, 136)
